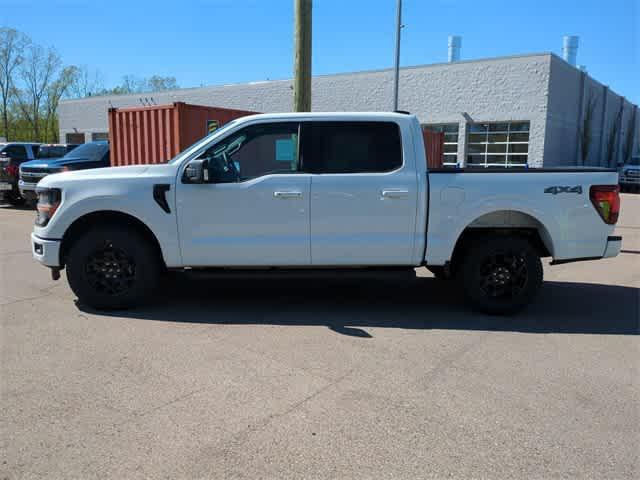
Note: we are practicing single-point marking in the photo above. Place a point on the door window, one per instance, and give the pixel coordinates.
(17, 152)
(254, 151)
(351, 147)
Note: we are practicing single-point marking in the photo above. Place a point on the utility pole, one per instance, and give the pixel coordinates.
(396, 70)
(302, 56)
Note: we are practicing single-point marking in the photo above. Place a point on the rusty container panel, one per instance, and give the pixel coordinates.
(434, 146)
(145, 135)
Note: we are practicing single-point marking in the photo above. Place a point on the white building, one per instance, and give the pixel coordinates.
(532, 109)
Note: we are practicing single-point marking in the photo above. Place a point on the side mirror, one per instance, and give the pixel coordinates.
(197, 171)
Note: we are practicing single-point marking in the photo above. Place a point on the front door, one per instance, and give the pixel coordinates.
(254, 210)
(363, 196)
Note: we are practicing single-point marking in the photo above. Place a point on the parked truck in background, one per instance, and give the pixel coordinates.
(85, 156)
(12, 155)
(630, 174)
(318, 191)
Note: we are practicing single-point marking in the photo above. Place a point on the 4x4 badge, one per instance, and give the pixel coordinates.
(557, 190)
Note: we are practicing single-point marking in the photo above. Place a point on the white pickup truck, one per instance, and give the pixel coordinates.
(321, 190)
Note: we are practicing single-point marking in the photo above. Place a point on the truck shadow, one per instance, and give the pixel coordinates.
(348, 306)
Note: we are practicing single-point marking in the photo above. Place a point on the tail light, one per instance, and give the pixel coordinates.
(48, 202)
(606, 200)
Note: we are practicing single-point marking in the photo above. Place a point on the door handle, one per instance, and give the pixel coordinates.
(290, 194)
(394, 193)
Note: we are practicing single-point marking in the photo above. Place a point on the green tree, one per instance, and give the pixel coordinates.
(12, 46)
(38, 70)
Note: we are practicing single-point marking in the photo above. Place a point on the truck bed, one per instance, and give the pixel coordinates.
(555, 201)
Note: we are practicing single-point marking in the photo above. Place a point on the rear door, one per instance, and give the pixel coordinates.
(363, 193)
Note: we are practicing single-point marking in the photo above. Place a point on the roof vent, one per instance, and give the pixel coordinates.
(570, 48)
(455, 44)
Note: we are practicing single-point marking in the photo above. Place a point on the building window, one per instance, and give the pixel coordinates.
(75, 138)
(497, 144)
(95, 136)
(450, 130)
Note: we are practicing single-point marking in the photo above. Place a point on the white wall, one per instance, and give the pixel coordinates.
(509, 88)
(570, 91)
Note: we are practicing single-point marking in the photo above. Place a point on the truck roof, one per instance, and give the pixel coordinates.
(334, 115)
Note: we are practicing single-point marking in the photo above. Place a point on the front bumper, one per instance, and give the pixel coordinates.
(7, 188)
(629, 180)
(612, 249)
(614, 245)
(28, 190)
(45, 251)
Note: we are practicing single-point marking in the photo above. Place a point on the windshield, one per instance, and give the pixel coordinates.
(202, 142)
(635, 161)
(90, 151)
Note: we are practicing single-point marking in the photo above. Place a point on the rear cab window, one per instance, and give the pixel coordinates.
(52, 151)
(93, 151)
(351, 147)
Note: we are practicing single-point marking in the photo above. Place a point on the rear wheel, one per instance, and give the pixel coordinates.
(112, 267)
(502, 275)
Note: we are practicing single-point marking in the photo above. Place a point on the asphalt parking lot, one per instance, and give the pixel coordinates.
(325, 378)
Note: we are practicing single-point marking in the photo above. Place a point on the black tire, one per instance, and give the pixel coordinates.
(112, 267)
(501, 275)
(438, 271)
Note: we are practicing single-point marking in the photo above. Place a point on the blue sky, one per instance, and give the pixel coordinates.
(228, 41)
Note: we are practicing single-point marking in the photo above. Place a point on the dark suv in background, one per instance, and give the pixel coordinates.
(12, 155)
(87, 155)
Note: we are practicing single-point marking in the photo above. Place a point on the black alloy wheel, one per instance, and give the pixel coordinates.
(503, 275)
(500, 274)
(110, 270)
(113, 267)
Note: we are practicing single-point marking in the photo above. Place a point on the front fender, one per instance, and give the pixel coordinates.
(137, 202)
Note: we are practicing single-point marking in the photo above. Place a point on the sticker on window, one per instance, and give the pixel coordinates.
(285, 150)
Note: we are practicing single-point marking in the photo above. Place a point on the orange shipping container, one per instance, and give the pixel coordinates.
(434, 146)
(144, 135)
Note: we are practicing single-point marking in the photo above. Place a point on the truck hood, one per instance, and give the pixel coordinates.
(55, 163)
(161, 172)
(107, 174)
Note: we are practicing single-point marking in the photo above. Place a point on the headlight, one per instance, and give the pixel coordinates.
(48, 201)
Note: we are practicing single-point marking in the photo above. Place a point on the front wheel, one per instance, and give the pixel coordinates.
(438, 271)
(501, 275)
(14, 199)
(112, 267)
